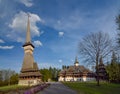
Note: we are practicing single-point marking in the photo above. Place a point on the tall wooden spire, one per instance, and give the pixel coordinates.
(28, 39)
(29, 74)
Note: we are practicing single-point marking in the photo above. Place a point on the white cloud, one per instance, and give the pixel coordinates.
(37, 43)
(1, 41)
(19, 25)
(27, 3)
(6, 47)
(61, 34)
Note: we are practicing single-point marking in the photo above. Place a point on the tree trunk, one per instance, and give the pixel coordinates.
(98, 84)
(97, 69)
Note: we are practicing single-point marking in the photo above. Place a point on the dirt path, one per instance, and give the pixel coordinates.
(57, 88)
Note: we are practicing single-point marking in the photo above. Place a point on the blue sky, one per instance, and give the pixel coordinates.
(56, 29)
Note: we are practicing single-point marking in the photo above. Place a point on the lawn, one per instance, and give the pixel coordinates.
(91, 88)
(12, 87)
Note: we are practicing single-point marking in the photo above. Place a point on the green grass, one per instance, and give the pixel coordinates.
(12, 87)
(91, 88)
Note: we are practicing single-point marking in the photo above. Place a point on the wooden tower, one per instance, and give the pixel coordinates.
(29, 74)
(102, 70)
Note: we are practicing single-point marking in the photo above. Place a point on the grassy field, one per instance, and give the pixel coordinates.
(12, 87)
(91, 88)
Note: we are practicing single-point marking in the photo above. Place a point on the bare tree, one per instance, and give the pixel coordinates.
(6, 74)
(93, 46)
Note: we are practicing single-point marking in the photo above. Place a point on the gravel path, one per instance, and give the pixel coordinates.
(57, 88)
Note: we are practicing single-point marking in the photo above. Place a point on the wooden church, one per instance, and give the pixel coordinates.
(29, 74)
(76, 73)
(103, 76)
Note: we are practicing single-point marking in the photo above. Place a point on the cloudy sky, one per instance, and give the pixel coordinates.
(56, 28)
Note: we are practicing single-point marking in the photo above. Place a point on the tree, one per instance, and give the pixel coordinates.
(114, 58)
(7, 77)
(14, 79)
(51, 73)
(113, 69)
(0, 75)
(118, 23)
(93, 46)
(54, 72)
(45, 74)
(118, 39)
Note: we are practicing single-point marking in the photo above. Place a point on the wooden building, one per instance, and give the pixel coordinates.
(102, 70)
(29, 74)
(76, 73)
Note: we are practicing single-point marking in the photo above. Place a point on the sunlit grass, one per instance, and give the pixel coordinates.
(12, 87)
(92, 88)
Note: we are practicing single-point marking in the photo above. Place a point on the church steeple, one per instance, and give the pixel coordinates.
(29, 72)
(76, 61)
(28, 39)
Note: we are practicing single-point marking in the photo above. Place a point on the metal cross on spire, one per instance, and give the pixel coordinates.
(28, 14)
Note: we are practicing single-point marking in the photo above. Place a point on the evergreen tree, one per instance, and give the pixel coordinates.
(114, 58)
(118, 23)
(0, 75)
(113, 69)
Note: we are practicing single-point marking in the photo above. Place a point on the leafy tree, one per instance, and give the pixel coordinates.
(55, 73)
(51, 73)
(93, 46)
(45, 74)
(14, 79)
